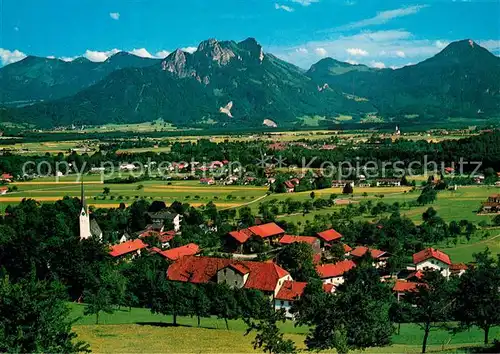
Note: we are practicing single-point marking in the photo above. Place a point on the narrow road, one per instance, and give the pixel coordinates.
(245, 204)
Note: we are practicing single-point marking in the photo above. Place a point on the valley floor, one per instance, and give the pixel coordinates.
(141, 331)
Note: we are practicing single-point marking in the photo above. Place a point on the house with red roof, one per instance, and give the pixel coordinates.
(129, 248)
(458, 269)
(402, 287)
(177, 253)
(432, 259)
(334, 273)
(163, 236)
(312, 241)
(290, 184)
(3, 190)
(267, 277)
(492, 204)
(328, 237)
(207, 181)
(270, 233)
(290, 292)
(379, 257)
(6, 177)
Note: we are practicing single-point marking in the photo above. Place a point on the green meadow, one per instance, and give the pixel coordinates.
(139, 330)
(48, 190)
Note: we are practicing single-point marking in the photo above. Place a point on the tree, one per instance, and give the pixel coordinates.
(138, 219)
(106, 191)
(431, 303)
(34, 318)
(366, 302)
(246, 216)
(140, 187)
(478, 298)
(348, 189)
(268, 337)
(297, 258)
(356, 317)
(106, 288)
(200, 302)
(224, 304)
(170, 298)
(312, 195)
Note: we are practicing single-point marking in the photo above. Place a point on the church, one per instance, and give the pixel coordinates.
(88, 228)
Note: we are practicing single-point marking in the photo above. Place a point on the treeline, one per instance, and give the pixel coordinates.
(484, 148)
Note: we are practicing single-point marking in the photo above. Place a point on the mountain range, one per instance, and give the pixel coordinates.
(226, 83)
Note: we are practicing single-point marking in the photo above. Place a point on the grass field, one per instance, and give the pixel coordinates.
(139, 331)
(192, 192)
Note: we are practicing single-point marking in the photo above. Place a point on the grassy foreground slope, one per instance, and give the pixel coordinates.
(139, 330)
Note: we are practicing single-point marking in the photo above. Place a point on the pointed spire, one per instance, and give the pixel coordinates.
(82, 197)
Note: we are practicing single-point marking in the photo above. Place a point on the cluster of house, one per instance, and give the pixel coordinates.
(363, 182)
(492, 205)
(5, 178)
(132, 246)
(284, 145)
(268, 277)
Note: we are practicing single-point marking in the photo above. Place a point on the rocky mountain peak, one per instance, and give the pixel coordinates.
(175, 63)
(216, 51)
(252, 47)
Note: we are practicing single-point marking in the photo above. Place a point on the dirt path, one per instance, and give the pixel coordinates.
(476, 243)
(245, 204)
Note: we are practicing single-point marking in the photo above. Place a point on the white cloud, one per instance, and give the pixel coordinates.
(380, 45)
(9, 57)
(302, 50)
(350, 2)
(16, 28)
(322, 52)
(283, 7)
(401, 54)
(441, 44)
(305, 2)
(51, 57)
(68, 59)
(384, 17)
(490, 44)
(352, 62)
(189, 49)
(99, 56)
(114, 15)
(357, 52)
(141, 52)
(162, 54)
(377, 64)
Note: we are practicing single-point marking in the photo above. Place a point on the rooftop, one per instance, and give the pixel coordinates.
(430, 252)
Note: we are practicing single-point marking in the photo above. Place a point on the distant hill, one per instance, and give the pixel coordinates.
(227, 83)
(462, 80)
(221, 83)
(39, 79)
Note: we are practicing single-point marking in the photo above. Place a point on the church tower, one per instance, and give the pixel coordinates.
(84, 218)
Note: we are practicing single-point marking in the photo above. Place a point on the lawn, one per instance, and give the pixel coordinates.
(139, 330)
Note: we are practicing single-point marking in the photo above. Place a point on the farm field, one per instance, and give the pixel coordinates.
(139, 330)
(192, 192)
(450, 205)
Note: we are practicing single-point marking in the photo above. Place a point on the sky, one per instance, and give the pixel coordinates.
(378, 33)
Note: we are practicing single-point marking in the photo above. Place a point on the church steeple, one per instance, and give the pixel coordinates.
(84, 217)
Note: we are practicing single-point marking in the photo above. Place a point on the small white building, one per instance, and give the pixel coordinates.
(388, 182)
(334, 273)
(432, 259)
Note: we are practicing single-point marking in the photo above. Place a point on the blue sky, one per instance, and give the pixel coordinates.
(379, 33)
